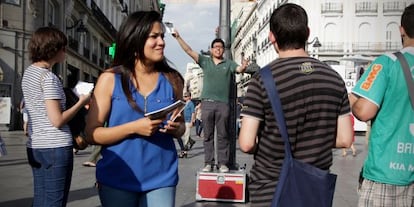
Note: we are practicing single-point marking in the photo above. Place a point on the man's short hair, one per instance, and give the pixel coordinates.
(217, 40)
(289, 25)
(407, 20)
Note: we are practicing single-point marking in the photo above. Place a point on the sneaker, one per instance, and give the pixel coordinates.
(223, 169)
(207, 168)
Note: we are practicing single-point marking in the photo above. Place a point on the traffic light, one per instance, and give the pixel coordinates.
(111, 50)
(162, 9)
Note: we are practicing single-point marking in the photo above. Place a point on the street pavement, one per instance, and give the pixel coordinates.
(16, 177)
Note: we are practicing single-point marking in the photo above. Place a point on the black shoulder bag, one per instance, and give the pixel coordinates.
(78, 122)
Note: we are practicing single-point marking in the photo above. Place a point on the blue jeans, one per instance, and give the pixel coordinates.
(52, 175)
(199, 126)
(112, 197)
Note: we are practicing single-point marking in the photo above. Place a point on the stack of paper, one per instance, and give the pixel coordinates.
(161, 113)
(83, 88)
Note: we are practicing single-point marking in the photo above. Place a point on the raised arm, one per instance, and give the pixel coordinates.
(187, 49)
(243, 66)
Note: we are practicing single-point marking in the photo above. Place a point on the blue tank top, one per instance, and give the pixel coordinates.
(139, 163)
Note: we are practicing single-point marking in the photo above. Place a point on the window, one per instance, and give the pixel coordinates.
(392, 37)
(69, 32)
(102, 50)
(102, 55)
(86, 77)
(50, 15)
(72, 41)
(87, 46)
(94, 50)
(14, 2)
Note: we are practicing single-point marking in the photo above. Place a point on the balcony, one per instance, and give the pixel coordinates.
(332, 47)
(366, 7)
(375, 46)
(332, 8)
(392, 46)
(394, 7)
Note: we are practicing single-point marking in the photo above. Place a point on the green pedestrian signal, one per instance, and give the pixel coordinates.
(111, 50)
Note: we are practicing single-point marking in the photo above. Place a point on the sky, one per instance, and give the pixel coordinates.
(196, 23)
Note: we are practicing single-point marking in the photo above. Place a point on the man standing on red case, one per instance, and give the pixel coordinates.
(215, 98)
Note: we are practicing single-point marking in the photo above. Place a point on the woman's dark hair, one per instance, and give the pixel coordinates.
(45, 43)
(407, 20)
(130, 42)
(289, 24)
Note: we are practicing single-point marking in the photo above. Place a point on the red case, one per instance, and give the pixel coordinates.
(214, 186)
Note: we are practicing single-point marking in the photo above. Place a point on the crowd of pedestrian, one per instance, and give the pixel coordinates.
(136, 157)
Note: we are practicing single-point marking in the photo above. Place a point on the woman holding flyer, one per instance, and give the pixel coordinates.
(139, 163)
(49, 144)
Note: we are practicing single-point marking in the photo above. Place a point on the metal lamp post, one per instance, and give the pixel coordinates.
(315, 44)
(224, 34)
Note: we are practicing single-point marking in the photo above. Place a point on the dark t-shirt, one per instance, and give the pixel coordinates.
(313, 96)
(216, 81)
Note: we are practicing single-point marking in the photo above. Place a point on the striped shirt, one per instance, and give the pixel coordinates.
(313, 96)
(38, 85)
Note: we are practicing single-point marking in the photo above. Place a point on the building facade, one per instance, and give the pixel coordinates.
(193, 80)
(90, 26)
(348, 32)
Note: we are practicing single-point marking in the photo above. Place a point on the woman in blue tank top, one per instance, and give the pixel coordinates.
(139, 165)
